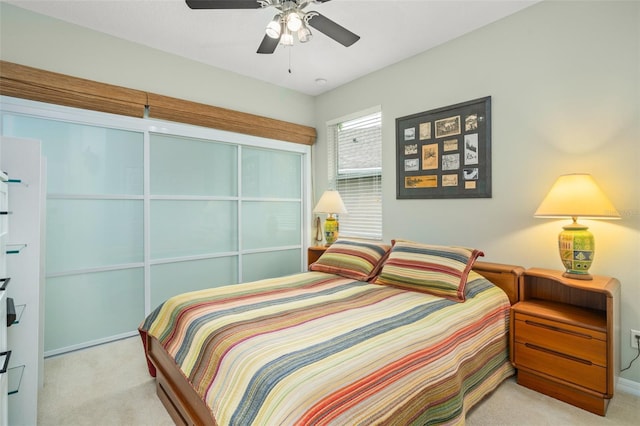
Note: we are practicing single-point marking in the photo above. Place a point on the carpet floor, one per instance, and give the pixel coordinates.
(109, 385)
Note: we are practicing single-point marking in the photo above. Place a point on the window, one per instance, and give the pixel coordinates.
(355, 170)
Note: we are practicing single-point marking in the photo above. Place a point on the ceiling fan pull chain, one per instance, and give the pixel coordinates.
(290, 59)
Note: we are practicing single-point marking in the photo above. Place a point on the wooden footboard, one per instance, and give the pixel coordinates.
(181, 401)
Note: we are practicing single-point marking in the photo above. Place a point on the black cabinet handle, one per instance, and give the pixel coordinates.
(11, 311)
(6, 361)
(5, 283)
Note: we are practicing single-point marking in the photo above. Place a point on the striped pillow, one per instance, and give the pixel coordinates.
(438, 270)
(359, 260)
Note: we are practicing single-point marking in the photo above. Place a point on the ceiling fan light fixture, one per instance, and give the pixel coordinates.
(290, 21)
(294, 22)
(274, 28)
(287, 38)
(304, 34)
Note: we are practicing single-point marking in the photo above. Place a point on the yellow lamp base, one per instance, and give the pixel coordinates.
(577, 249)
(331, 227)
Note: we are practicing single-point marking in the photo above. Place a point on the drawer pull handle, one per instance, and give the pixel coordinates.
(558, 329)
(560, 354)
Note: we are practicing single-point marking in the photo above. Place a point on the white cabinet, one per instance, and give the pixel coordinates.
(5, 354)
(22, 161)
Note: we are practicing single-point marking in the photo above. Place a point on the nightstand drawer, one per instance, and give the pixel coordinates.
(574, 341)
(562, 366)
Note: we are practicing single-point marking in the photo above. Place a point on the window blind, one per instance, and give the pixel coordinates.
(355, 170)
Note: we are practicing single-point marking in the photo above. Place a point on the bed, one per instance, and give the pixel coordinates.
(347, 342)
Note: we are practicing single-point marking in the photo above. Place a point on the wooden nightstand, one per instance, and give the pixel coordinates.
(563, 335)
(314, 253)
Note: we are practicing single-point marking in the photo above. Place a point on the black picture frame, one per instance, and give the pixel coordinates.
(445, 152)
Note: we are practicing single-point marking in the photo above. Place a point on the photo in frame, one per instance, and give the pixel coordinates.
(451, 158)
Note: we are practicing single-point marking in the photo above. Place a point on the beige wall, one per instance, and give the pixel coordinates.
(564, 80)
(35, 40)
(565, 90)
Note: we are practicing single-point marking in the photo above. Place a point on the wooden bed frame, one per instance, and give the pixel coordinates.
(185, 406)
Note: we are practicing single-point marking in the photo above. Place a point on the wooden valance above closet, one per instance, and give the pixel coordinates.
(172, 109)
(39, 85)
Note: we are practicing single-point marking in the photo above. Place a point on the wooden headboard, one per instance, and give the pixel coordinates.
(507, 277)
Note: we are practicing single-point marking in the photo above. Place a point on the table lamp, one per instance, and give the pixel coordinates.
(331, 204)
(571, 196)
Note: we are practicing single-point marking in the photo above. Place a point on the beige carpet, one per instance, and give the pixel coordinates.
(109, 385)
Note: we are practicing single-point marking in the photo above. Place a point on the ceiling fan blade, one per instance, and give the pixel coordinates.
(223, 4)
(268, 45)
(331, 29)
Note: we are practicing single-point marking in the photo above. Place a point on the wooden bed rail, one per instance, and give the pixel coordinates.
(181, 401)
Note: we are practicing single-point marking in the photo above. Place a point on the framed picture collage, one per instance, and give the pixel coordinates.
(445, 152)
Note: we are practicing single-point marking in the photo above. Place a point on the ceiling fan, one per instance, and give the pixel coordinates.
(290, 19)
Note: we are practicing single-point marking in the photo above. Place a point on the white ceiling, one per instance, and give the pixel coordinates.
(390, 31)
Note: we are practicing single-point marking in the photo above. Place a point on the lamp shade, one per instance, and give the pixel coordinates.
(330, 203)
(576, 195)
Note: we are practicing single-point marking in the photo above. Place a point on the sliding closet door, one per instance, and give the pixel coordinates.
(271, 213)
(135, 216)
(194, 215)
(217, 220)
(94, 250)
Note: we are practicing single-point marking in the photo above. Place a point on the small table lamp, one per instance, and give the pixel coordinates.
(331, 204)
(576, 195)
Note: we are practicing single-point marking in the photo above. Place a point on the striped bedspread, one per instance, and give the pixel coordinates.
(316, 348)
